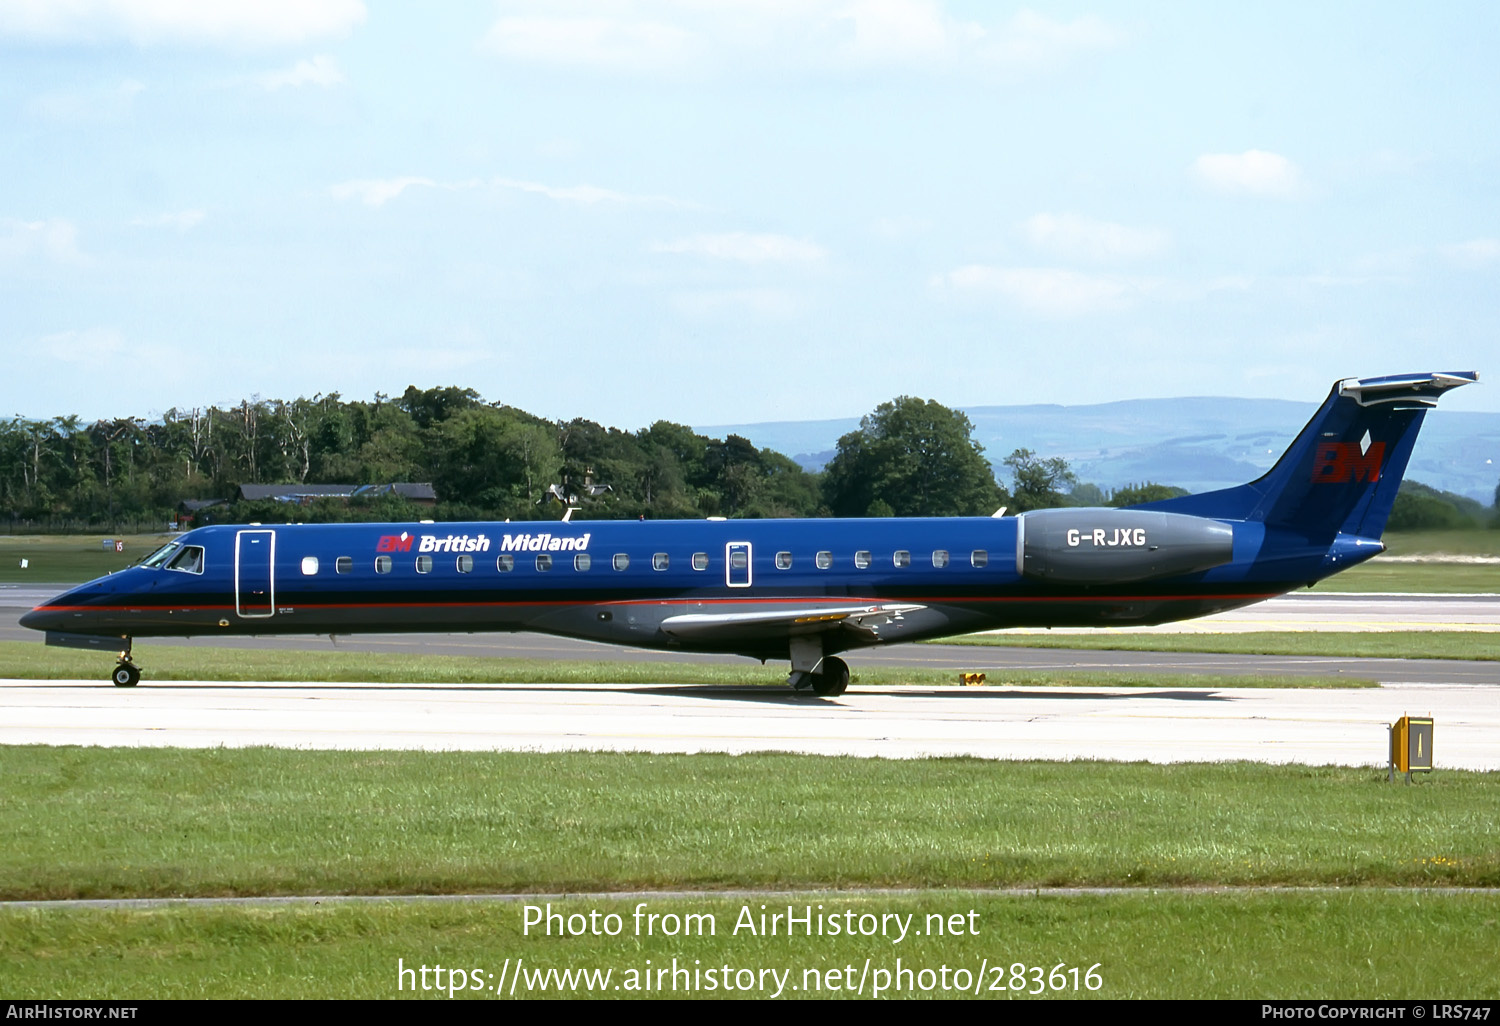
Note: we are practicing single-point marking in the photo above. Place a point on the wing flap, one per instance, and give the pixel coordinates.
(784, 622)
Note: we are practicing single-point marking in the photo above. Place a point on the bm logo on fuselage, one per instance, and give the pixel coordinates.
(433, 543)
(1341, 462)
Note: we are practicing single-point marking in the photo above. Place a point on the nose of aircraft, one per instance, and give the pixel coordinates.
(40, 619)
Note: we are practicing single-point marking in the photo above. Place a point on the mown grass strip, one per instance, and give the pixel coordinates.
(1471, 541)
(1287, 946)
(87, 823)
(31, 661)
(1479, 645)
(52, 558)
(1421, 578)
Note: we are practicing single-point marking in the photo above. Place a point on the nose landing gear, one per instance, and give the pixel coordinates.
(127, 674)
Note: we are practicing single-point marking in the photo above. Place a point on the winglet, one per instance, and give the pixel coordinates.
(1423, 388)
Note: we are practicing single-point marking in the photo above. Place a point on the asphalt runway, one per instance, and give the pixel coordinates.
(1346, 726)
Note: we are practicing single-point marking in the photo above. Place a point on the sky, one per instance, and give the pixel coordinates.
(733, 211)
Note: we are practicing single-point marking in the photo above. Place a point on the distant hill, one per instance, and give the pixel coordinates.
(1196, 443)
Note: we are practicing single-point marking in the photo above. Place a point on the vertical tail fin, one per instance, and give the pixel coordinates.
(1342, 471)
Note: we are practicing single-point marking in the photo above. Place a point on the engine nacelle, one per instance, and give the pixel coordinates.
(1110, 546)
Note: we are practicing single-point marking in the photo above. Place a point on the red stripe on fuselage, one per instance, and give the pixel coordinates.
(747, 600)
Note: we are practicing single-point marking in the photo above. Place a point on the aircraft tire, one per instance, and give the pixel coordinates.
(125, 676)
(833, 680)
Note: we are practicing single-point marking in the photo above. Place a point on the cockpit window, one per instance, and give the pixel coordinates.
(188, 561)
(161, 555)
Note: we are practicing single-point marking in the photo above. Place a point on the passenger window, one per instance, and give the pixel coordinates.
(382, 564)
(783, 560)
(979, 558)
(901, 558)
(824, 560)
(424, 564)
(582, 561)
(939, 558)
(861, 560)
(309, 566)
(465, 564)
(544, 563)
(505, 562)
(621, 560)
(344, 565)
(700, 561)
(659, 561)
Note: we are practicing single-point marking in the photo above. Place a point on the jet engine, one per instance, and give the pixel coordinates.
(1111, 546)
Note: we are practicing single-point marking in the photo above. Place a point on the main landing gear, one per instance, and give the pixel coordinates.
(825, 676)
(127, 674)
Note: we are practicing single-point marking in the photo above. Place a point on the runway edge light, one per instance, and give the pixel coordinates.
(1411, 746)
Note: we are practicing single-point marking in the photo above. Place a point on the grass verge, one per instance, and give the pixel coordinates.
(1480, 645)
(1421, 578)
(1287, 946)
(54, 558)
(91, 822)
(31, 661)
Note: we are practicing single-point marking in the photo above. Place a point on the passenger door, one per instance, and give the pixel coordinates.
(254, 574)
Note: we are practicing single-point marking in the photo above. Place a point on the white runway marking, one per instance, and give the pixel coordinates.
(1346, 727)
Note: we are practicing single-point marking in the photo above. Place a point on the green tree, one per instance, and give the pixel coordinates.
(911, 457)
(494, 459)
(1039, 483)
(1149, 491)
(1420, 507)
(1086, 493)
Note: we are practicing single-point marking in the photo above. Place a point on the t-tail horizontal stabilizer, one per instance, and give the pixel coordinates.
(1341, 473)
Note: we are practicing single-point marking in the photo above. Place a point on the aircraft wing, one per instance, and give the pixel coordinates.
(784, 622)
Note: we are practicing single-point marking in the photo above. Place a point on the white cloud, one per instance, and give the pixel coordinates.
(1047, 291)
(900, 227)
(182, 220)
(1401, 264)
(191, 22)
(1252, 173)
(55, 240)
(607, 43)
(746, 247)
(585, 194)
(321, 70)
(884, 32)
(673, 37)
(112, 103)
(376, 192)
(88, 347)
(1473, 254)
(1082, 238)
(768, 303)
(1033, 40)
(379, 191)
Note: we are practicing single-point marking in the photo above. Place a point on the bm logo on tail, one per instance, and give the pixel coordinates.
(1341, 462)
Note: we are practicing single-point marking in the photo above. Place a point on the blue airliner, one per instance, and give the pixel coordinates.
(802, 590)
